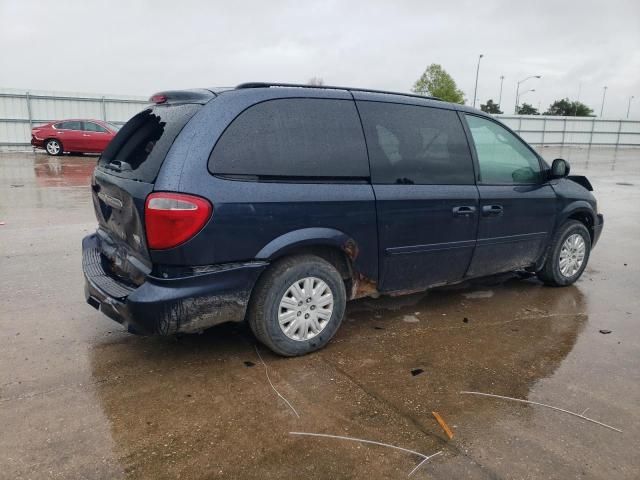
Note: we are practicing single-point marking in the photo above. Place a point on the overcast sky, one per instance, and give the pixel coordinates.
(139, 47)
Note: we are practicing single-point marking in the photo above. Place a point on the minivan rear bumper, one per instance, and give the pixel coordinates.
(164, 306)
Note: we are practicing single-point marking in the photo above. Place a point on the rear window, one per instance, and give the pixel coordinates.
(411, 144)
(296, 137)
(140, 146)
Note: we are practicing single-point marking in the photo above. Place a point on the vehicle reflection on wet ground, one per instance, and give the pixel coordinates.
(81, 398)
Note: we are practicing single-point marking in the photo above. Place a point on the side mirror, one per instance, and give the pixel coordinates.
(560, 168)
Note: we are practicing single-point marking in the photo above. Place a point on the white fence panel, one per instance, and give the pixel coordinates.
(21, 110)
(547, 130)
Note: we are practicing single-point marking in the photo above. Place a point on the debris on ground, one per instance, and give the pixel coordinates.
(425, 458)
(416, 371)
(543, 405)
(605, 331)
(443, 424)
(465, 320)
(266, 371)
(410, 319)
(248, 363)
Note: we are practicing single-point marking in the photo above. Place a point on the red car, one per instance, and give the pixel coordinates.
(81, 136)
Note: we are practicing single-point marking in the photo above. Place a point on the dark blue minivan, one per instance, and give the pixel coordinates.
(277, 203)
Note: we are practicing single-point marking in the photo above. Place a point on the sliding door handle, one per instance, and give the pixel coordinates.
(492, 210)
(464, 211)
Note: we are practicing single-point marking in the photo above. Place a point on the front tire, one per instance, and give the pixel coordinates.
(568, 256)
(53, 147)
(297, 305)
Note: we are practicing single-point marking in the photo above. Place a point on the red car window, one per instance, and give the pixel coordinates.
(72, 125)
(94, 127)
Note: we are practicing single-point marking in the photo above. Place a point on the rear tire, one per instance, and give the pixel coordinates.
(53, 147)
(568, 255)
(297, 305)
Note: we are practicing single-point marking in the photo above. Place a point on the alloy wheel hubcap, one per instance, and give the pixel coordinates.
(305, 309)
(53, 147)
(572, 255)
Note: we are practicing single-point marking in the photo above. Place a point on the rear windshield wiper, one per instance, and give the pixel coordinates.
(119, 166)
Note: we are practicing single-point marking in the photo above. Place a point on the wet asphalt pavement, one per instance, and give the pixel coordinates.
(81, 398)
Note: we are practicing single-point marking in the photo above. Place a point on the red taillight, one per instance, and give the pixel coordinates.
(173, 218)
(158, 98)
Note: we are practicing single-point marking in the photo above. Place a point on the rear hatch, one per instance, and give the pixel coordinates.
(124, 176)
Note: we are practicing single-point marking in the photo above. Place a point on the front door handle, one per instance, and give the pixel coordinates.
(492, 210)
(464, 211)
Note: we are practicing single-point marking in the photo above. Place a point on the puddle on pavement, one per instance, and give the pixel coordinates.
(100, 402)
(192, 407)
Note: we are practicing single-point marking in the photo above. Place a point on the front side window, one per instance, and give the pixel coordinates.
(93, 127)
(503, 158)
(410, 144)
(293, 137)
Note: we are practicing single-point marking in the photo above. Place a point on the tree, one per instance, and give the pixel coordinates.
(567, 108)
(526, 109)
(316, 81)
(490, 107)
(436, 82)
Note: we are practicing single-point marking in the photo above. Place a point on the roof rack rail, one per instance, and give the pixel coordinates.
(330, 87)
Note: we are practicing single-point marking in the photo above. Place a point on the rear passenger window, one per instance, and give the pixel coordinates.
(409, 144)
(73, 125)
(297, 137)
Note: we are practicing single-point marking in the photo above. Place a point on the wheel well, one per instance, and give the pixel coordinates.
(333, 255)
(586, 219)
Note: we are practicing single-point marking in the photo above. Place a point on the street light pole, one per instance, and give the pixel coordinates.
(524, 93)
(500, 97)
(518, 90)
(475, 90)
(629, 106)
(604, 94)
(575, 114)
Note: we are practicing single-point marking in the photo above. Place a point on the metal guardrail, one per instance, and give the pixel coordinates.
(42, 122)
(28, 95)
